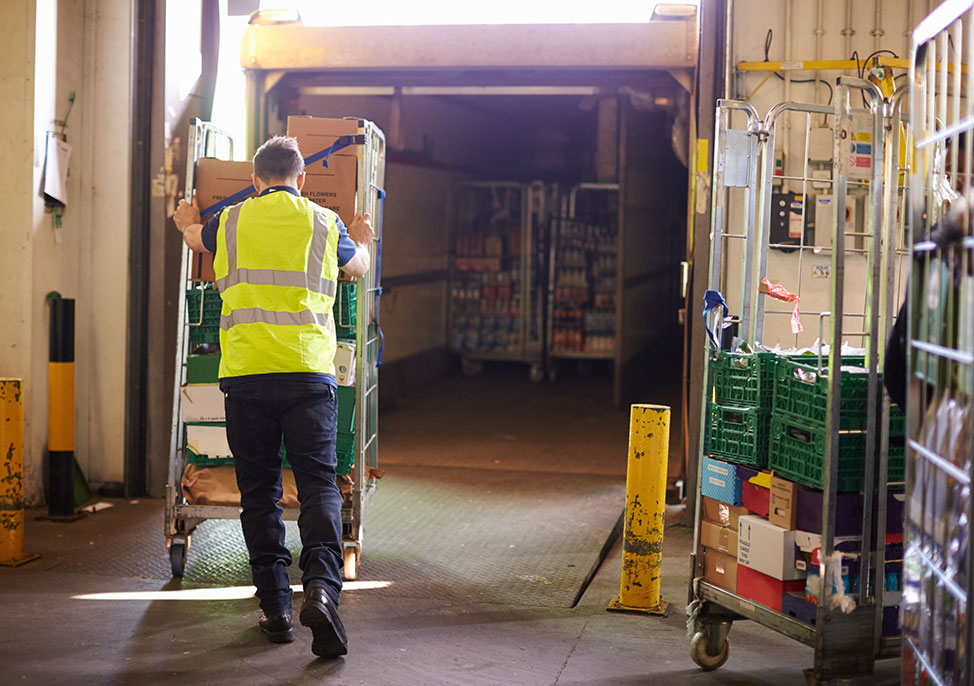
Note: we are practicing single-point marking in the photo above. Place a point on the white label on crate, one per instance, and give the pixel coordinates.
(717, 482)
(719, 470)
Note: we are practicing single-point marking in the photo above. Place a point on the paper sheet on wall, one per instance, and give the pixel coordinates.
(57, 155)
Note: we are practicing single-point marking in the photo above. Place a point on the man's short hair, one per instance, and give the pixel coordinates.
(278, 159)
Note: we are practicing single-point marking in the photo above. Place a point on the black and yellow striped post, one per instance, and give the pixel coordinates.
(12, 467)
(60, 418)
(644, 521)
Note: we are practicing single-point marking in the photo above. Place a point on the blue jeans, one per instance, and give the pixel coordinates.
(259, 411)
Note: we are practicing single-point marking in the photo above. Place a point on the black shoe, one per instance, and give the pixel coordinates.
(277, 627)
(321, 615)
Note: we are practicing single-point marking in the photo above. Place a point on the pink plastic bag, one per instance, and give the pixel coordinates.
(779, 292)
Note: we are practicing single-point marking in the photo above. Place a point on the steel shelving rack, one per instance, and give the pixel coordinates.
(496, 274)
(584, 244)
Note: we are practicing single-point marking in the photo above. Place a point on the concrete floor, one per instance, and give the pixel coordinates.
(397, 636)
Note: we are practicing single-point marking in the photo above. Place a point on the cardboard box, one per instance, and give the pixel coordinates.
(332, 186)
(202, 403)
(895, 507)
(217, 180)
(716, 537)
(720, 513)
(317, 133)
(208, 440)
(719, 481)
(755, 498)
(848, 512)
(795, 605)
(767, 548)
(764, 589)
(783, 503)
(720, 569)
(202, 266)
(345, 364)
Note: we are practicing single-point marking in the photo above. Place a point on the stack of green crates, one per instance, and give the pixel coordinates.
(203, 327)
(345, 310)
(798, 425)
(738, 419)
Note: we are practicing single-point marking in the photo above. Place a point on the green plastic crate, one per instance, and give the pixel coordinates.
(743, 379)
(896, 469)
(798, 453)
(739, 434)
(346, 410)
(203, 328)
(345, 452)
(804, 401)
(212, 305)
(345, 304)
(897, 422)
(206, 460)
(203, 368)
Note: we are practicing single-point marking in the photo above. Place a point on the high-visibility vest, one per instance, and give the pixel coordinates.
(276, 267)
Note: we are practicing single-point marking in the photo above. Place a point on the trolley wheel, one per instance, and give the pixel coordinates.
(351, 563)
(178, 551)
(553, 371)
(537, 373)
(700, 652)
(471, 367)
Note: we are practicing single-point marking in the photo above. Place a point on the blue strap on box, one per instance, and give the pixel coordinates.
(340, 143)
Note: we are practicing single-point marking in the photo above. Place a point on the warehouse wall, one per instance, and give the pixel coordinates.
(81, 46)
(862, 26)
(16, 237)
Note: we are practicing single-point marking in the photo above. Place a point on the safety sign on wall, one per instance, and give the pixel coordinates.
(856, 148)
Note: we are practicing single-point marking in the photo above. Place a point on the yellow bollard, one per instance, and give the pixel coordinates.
(12, 474)
(642, 536)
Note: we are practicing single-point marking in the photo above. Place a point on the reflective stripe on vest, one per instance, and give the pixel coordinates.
(252, 315)
(311, 279)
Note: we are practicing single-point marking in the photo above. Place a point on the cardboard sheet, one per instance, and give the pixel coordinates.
(218, 486)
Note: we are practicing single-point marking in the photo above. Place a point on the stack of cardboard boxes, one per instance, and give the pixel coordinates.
(761, 534)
